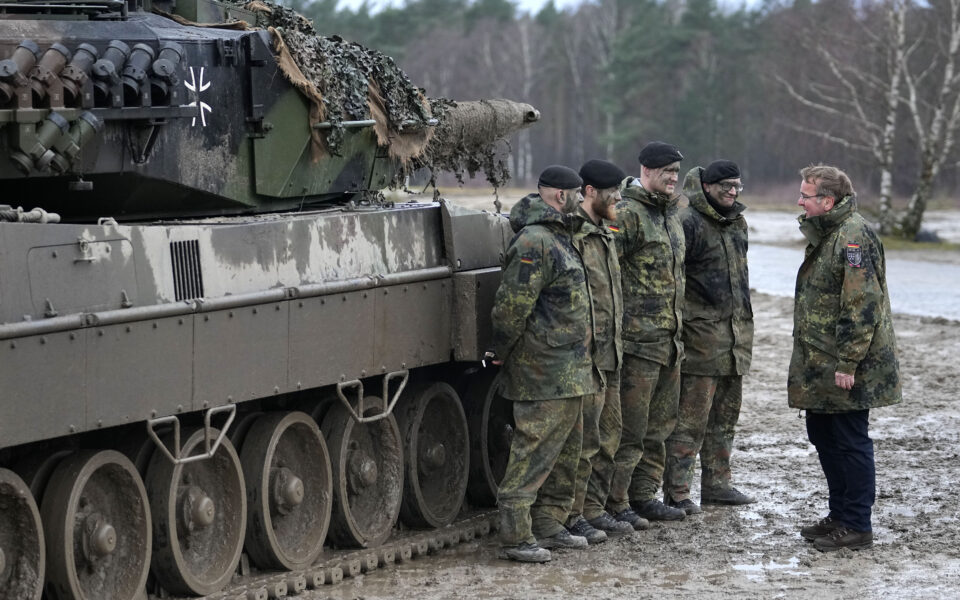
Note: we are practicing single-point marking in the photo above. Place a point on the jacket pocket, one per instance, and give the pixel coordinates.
(561, 337)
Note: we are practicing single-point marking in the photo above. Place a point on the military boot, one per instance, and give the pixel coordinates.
(654, 510)
(606, 523)
(563, 539)
(627, 515)
(524, 552)
(686, 505)
(819, 529)
(844, 537)
(581, 527)
(729, 497)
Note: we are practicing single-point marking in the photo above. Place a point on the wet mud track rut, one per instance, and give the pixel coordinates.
(337, 565)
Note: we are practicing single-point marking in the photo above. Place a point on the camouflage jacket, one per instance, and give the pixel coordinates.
(717, 315)
(542, 313)
(651, 247)
(841, 317)
(599, 251)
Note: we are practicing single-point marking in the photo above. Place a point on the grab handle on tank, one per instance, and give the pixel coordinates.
(211, 449)
(387, 410)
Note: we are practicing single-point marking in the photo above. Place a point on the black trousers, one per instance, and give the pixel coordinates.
(846, 456)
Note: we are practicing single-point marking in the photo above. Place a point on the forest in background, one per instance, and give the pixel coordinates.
(872, 86)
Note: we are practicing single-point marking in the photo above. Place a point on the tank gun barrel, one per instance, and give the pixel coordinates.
(479, 123)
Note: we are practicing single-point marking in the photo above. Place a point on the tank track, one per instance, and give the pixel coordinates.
(335, 565)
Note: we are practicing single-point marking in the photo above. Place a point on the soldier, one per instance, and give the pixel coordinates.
(542, 325)
(717, 338)
(844, 358)
(601, 412)
(651, 247)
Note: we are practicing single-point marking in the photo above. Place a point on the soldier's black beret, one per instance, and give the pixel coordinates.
(719, 170)
(601, 174)
(659, 154)
(560, 177)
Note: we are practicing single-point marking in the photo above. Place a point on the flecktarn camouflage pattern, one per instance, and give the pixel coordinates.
(542, 311)
(842, 317)
(651, 247)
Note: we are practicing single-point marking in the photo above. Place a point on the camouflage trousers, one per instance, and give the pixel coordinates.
(602, 424)
(708, 414)
(649, 395)
(536, 493)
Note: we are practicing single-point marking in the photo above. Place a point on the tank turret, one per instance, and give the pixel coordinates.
(165, 118)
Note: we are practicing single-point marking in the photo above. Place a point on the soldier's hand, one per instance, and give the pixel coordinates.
(843, 380)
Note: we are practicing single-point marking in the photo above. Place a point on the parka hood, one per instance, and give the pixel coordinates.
(532, 209)
(693, 190)
(631, 189)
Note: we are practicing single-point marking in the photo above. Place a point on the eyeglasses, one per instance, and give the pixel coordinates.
(805, 197)
(726, 187)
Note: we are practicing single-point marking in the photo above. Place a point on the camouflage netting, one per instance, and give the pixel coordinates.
(352, 83)
(345, 81)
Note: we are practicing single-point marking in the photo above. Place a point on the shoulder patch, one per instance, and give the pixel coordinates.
(854, 255)
(526, 261)
(613, 228)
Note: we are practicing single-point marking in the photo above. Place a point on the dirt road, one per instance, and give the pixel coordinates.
(756, 552)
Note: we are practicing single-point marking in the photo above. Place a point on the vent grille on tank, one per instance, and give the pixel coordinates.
(187, 280)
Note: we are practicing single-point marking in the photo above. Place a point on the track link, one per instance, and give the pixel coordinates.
(336, 565)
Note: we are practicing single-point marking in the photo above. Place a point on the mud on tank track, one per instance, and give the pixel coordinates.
(336, 565)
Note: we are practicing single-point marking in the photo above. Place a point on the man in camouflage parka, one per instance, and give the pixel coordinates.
(542, 326)
(844, 358)
(717, 338)
(601, 412)
(651, 247)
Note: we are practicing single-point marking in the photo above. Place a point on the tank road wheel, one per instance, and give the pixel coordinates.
(199, 516)
(289, 489)
(491, 425)
(367, 463)
(436, 452)
(22, 556)
(97, 520)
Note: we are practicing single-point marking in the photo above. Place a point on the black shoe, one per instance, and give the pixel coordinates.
(686, 505)
(728, 497)
(580, 527)
(843, 537)
(819, 529)
(636, 521)
(563, 539)
(606, 523)
(524, 552)
(654, 510)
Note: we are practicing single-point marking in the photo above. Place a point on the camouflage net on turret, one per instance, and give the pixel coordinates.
(345, 81)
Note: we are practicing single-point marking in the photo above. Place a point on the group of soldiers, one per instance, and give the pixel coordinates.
(624, 327)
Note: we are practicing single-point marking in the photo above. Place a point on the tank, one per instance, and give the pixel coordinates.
(229, 367)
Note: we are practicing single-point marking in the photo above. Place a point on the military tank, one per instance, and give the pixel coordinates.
(225, 357)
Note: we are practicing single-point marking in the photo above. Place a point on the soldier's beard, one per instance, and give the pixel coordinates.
(604, 208)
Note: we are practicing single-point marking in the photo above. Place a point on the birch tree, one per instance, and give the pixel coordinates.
(865, 102)
(935, 116)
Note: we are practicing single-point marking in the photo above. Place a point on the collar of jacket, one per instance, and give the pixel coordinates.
(815, 228)
(532, 209)
(693, 190)
(585, 225)
(632, 189)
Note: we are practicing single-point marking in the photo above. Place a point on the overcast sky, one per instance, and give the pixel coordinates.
(526, 5)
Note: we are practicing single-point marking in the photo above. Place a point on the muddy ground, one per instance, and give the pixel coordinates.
(755, 551)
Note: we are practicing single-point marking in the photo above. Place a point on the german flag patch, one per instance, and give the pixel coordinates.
(613, 228)
(526, 261)
(854, 255)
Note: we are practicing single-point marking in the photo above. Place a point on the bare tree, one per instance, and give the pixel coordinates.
(936, 116)
(865, 102)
